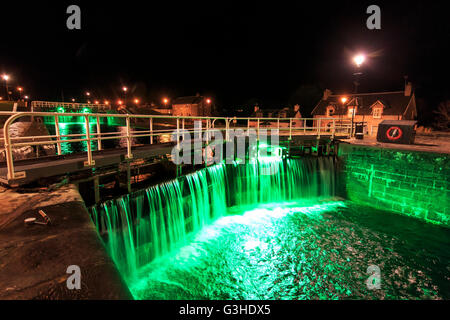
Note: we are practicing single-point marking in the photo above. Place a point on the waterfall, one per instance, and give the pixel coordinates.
(148, 224)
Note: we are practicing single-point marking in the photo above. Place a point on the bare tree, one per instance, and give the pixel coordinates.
(442, 121)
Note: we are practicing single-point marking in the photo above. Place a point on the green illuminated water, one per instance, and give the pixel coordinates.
(304, 250)
(267, 230)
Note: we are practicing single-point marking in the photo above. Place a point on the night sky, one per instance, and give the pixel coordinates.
(266, 52)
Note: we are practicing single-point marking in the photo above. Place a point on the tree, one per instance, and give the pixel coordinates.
(442, 120)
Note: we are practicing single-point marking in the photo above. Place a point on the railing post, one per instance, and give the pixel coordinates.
(89, 162)
(99, 135)
(151, 130)
(58, 138)
(304, 126)
(178, 131)
(334, 128)
(129, 154)
(290, 129)
(8, 151)
(257, 130)
(319, 124)
(248, 124)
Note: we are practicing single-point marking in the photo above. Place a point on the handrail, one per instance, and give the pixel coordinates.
(319, 125)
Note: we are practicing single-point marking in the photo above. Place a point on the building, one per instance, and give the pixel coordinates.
(370, 108)
(283, 113)
(191, 106)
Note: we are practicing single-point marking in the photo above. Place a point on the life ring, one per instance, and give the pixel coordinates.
(394, 133)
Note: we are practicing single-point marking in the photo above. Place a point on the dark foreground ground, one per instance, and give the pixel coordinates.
(34, 259)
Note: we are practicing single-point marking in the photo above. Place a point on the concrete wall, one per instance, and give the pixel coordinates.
(416, 184)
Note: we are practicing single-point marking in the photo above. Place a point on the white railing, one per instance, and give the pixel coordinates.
(175, 124)
(68, 105)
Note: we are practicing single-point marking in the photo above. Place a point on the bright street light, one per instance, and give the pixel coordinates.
(344, 99)
(136, 101)
(359, 60)
(165, 101)
(6, 78)
(208, 101)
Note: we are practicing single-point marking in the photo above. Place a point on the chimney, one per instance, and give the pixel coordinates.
(408, 89)
(326, 94)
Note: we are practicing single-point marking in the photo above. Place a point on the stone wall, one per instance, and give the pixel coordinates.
(411, 183)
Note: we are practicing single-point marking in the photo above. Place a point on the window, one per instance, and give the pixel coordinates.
(377, 113)
(351, 112)
(330, 111)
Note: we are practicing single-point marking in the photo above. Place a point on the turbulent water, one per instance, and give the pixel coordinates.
(268, 230)
(304, 250)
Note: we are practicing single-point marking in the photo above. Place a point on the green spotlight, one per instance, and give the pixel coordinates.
(60, 110)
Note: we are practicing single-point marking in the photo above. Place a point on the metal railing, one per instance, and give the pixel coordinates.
(170, 124)
(36, 105)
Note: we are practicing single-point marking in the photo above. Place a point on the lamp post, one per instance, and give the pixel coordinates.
(358, 61)
(6, 78)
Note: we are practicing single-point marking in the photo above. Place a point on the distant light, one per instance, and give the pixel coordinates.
(20, 89)
(86, 110)
(96, 102)
(359, 59)
(5, 77)
(344, 99)
(208, 101)
(26, 97)
(60, 110)
(136, 101)
(125, 89)
(88, 93)
(106, 102)
(73, 100)
(1, 98)
(165, 101)
(119, 102)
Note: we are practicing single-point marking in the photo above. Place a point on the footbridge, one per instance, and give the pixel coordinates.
(141, 142)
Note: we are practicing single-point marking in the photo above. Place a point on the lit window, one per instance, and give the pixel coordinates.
(351, 112)
(377, 113)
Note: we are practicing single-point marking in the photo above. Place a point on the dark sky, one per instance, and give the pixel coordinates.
(235, 53)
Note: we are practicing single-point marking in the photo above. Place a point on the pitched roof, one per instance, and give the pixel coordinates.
(395, 103)
(188, 100)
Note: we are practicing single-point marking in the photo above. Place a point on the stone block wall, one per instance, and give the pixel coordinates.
(411, 183)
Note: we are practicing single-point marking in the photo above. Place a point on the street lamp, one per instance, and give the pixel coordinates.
(165, 101)
(125, 89)
(136, 101)
(20, 89)
(358, 60)
(6, 78)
